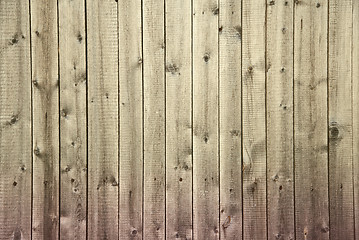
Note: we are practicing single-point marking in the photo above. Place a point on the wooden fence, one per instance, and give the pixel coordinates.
(179, 119)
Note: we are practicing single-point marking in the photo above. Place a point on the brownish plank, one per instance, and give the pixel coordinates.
(310, 120)
(230, 98)
(340, 120)
(178, 120)
(154, 119)
(45, 101)
(15, 120)
(254, 125)
(280, 188)
(102, 39)
(205, 120)
(131, 117)
(73, 162)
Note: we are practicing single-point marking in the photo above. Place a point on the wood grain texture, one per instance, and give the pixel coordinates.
(205, 120)
(355, 103)
(45, 102)
(178, 120)
(254, 120)
(15, 121)
(340, 122)
(310, 120)
(73, 128)
(103, 134)
(280, 184)
(191, 119)
(230, 99)
(131, 118)
(154, 120)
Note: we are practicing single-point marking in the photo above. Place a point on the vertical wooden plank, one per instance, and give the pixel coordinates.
(280, 188)
(230, 51)
(178, 119)
(73, 139)
(205, 120)
(254, 117)
(102, 39)
(45, 224)
(310, 120)
(355, 78)
(340, 120)
(131, 142)
(15, 120)
(154, 119)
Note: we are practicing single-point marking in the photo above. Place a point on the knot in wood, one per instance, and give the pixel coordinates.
(37, 151)
(334, 131)
(206, 57)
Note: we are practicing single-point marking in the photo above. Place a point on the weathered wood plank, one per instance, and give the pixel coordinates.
(102, 39)
(193, 99)
(280, 184)
(355, 78)
(45, 101)
(310, 120)
(254, 116)
(131, 119)
(178, 119)
(230, 98)
(15, 120)
(73, 144)
(340, 120)
(205, 120)
(154, 119)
